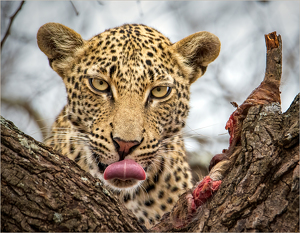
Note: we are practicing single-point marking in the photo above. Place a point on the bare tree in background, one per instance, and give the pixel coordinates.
(18, 103)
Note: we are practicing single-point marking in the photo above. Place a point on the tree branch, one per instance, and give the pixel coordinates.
(10, 23)
(76, 12)
(42, 190)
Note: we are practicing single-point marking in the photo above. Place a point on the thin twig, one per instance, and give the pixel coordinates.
(140, 7)
(10, 23)
(76, 12)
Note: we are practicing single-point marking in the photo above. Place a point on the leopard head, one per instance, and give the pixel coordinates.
(128, 94)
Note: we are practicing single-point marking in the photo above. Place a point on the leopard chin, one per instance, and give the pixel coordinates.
(119, 184)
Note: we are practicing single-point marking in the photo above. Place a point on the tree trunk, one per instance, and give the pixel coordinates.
(42, 190)
(261, 192)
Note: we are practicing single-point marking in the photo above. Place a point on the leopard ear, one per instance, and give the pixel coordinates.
(58, 42)
(196, 51)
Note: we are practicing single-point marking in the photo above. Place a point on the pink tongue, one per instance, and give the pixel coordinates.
(125, 170)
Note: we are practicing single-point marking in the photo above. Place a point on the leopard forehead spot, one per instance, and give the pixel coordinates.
(128, 98)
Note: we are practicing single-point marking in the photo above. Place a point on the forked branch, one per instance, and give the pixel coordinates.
(10, 23)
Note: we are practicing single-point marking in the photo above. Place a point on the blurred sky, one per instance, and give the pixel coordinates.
(26, 75)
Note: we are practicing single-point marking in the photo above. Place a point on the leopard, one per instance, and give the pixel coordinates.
(128, 92)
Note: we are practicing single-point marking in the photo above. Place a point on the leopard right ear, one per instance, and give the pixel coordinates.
(195, 52)
(58, 42)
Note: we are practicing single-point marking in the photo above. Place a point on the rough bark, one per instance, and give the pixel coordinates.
(261, 192)
(42, 190)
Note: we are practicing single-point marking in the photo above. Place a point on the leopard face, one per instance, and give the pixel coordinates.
(128, 99)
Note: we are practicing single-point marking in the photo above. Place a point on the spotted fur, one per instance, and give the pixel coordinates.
(132, 59)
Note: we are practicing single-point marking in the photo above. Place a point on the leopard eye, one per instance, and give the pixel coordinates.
(160, 92)
(99, 84)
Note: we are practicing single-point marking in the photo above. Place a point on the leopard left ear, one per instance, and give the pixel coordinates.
(195, 52)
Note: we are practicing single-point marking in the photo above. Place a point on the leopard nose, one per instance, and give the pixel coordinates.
(125, 147)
